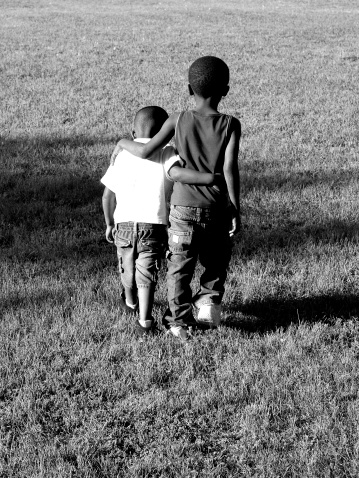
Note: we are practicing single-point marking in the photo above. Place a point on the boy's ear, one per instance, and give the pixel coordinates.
(191, 92)
(133, 134)
(225, 91)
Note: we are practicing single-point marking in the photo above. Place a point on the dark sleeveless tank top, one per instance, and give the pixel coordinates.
(201, 142)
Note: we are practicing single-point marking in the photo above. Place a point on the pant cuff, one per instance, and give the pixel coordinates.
(146, 286)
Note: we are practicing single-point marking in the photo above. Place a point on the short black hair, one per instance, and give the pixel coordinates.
(208, 76)
(150, 119)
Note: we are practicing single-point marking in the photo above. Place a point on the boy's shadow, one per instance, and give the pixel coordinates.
(271, 314)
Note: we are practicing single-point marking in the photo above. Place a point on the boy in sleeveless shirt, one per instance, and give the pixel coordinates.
(202, 218)
(135, 206)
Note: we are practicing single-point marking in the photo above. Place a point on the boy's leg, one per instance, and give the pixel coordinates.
(126, 259)
(181, 262)
(151, 240)
(146, 297)
(214, 256)
(131, 297)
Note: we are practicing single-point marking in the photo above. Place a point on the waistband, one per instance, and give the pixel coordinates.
(220, 208)
(200, 214)
(140, 225)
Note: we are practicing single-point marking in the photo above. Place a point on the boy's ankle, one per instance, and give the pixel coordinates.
(132, 306)
(146, 322)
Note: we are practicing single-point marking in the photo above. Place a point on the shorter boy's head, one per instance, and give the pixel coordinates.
(148, 121)
(209, 76)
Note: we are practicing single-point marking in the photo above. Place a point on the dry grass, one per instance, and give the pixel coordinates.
(273, 392)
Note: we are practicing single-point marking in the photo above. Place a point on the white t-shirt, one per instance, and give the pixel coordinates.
(142, 186)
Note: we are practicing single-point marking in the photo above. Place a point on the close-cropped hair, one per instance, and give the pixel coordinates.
(150, 118)
(208, 76)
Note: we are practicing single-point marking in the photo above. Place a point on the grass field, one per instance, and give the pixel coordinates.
(274, 391)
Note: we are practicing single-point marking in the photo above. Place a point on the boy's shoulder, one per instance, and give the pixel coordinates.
(122, 162)
(235, 124)
(120, 157)
(167, 153)
(198, 114)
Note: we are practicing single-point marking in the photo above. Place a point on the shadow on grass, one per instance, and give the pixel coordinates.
(38, 195)
(259, 175)
(22, 300)
(294, 234)
(13, 147)
(51, 155)
(55, 205)
(38, 211)
(48, 219)
(268, 315)
(49, 181)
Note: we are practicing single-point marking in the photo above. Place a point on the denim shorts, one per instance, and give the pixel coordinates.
(140, 247)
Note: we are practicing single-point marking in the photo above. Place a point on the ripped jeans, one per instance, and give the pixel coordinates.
(140, 246)
(196, 233)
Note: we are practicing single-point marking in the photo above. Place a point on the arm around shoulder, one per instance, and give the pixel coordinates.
(190, 176)
(145, 151)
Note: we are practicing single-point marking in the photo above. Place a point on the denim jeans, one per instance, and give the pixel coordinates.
(140, 246)
(196, 233)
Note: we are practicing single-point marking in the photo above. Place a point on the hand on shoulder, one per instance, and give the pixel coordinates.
(115, 152)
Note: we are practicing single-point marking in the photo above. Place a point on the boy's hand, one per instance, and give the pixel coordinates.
(116, 151)
(236, 224)
(109, 234)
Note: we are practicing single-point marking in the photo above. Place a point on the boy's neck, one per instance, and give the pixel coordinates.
(207, 106)
(142, 133)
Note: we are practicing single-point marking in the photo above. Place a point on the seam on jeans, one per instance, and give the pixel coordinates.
(150, 242)
(180, 233)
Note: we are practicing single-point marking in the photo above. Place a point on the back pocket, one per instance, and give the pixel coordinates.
(179, 240)
(121, 241)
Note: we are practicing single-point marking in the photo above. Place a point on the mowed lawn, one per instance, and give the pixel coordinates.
(274, 391)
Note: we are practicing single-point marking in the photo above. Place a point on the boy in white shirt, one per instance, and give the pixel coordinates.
(135, 204)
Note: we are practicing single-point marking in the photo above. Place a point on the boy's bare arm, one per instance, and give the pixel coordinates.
(231, 173)
(109, 205)
(160, 140)
(190, 176)
(115, 152)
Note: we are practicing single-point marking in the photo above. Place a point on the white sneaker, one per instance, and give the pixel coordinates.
(209, 314)
(179, 332)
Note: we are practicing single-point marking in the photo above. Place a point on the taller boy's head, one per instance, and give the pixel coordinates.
(148, 121)
(209, 76)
